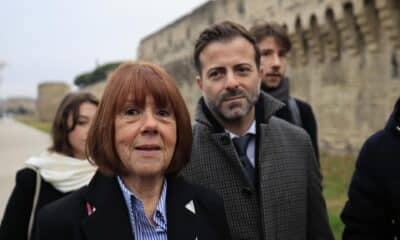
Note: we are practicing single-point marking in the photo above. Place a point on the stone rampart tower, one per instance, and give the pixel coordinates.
(50, 95)
(344, 62)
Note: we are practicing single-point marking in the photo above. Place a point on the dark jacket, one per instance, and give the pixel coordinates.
(373, 208)
(68, 218)
(14, 225)
(287, 202)
(307, 119)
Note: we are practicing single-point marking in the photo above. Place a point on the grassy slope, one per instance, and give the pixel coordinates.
(34, 122)
(337, 172)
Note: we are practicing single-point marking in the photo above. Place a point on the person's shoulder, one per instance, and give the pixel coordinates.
(283, 127)
(200, 127)
(200, 193)
(374, 152)
(303, 105)
(26, 176)
(26, 173)
(65, 207)
(60, 217)
(377, 142)
(377, 137)
(373, 142)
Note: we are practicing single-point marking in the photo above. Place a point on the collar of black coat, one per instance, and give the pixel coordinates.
(266, 107)
(110, 218)
(393, 124)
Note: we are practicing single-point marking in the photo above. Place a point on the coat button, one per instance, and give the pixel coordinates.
(247, 191)
(225, 140)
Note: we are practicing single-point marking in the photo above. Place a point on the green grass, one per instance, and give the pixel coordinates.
(35, 123)
(337, 172)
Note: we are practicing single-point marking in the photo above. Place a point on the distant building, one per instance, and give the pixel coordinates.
(20, 106)
(50, 95)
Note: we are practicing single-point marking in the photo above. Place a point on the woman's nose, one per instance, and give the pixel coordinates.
(150, 122)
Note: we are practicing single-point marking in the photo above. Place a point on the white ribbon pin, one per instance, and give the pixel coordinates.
(190, 206)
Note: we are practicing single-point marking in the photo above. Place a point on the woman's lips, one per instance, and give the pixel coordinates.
(148, 147)
(148, 150)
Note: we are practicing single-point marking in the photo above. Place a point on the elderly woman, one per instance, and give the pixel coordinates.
(142, 137)
(55, 172)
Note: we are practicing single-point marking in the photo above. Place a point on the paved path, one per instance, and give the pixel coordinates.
(17, 143)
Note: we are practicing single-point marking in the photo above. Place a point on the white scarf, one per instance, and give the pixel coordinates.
(63, 172)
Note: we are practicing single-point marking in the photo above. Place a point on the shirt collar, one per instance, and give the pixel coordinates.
(160, 214)
(251, 130)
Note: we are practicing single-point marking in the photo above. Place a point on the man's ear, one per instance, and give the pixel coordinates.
(199, 82)
(261, 72)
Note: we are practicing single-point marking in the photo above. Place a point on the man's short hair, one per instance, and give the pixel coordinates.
(260, 32)
(224, 31)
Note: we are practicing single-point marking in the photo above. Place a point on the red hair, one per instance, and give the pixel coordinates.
(133, 82)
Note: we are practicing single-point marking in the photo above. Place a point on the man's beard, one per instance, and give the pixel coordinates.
(227, 113)
(269, 83)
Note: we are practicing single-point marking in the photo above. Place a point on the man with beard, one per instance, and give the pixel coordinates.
(262, 166)
(274, 45)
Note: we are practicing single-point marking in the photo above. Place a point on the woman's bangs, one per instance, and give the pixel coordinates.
(140, 84)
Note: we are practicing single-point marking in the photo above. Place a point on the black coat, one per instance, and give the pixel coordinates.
(307, 118)
(373, 208)
(14, 225)
(68, 219)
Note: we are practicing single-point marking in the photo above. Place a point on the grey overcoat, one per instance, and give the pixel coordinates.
(287, 203)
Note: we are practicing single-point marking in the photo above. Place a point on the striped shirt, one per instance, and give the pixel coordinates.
(142, 229)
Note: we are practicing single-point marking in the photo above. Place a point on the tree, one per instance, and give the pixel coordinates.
(97, 75)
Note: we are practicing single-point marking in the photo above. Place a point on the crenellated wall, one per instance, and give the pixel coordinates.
(345, 58)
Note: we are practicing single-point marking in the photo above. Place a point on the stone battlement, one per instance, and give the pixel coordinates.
(344, 61)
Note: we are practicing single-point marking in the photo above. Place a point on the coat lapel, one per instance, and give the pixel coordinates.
(269, 176)
(181, 210)
(220, 138)
(224, 143)
(110, 218)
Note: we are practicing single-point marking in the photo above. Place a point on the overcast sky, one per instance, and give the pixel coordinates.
(55, 40)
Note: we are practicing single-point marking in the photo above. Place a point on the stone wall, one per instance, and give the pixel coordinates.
(20, 105)
(345, 58)
(50, 95)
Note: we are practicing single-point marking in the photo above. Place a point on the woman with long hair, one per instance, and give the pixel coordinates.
(54, 173)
